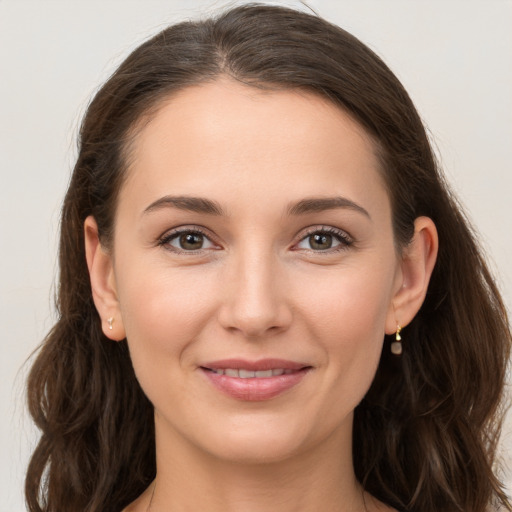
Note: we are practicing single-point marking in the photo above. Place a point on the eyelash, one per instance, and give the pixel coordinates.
(165, 240)
(345, 241)
(342, 237)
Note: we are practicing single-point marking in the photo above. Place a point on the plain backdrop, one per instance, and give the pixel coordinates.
(453, 56)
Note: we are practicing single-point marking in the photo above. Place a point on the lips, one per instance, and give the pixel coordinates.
(250, 374)
(254, 380)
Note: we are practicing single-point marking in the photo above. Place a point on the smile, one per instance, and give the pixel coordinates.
(250, 374)
(254, 381)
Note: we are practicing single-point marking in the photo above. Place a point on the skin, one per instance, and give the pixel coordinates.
(257, 288)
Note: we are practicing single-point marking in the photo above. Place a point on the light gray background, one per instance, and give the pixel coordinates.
(453, 56)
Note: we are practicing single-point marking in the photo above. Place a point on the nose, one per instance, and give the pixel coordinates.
(255, 301)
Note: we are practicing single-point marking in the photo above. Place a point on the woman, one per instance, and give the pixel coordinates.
(268, 297)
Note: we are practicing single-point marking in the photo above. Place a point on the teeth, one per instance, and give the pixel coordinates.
(264, 373)
(249, 374)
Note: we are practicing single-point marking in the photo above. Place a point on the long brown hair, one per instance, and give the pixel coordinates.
(425, 435)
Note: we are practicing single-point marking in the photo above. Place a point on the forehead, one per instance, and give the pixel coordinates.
(225, 137)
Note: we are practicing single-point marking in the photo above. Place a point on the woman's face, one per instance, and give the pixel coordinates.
(253, 234)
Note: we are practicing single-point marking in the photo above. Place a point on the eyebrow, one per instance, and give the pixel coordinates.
(191, 204)
(207, 206)
(320, 204)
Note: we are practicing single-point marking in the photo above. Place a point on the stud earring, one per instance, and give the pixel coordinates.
(110, 321)
(396, 346)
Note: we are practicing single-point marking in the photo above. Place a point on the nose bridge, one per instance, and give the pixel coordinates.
(256, 303)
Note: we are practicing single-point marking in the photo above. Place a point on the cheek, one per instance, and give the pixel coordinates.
(163, 313)
(350, 301)
(347, 315)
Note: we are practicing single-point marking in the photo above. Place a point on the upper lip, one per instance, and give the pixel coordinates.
(260, 365)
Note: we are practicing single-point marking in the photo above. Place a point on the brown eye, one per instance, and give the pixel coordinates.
(320, 241)
(187, 241)
(191, 241)
(327, 240)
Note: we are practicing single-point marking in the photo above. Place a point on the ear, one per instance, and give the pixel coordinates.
(103, 285)
(418, 260)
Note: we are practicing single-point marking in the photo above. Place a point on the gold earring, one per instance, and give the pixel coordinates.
(110, 321)
(396, 346)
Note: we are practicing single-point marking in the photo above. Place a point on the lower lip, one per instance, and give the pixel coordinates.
(255, 389)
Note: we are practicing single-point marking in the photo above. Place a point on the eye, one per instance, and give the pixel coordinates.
(187, 241)
(325, 239)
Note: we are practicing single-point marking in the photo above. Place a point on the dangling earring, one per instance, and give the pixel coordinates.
(110, 321)
(396, 346)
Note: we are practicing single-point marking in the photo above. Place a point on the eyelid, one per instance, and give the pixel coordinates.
(164, 239)
(345, 239)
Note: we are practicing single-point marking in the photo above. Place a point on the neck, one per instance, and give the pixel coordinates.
(319, 478)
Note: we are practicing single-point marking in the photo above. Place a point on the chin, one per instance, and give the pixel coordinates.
(263, 440)
(257, 449)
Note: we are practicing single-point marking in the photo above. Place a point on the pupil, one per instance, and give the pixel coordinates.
(321, 241)
(191, 241)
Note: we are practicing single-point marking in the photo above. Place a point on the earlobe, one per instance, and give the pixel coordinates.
(103, 286)
(418, 260)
